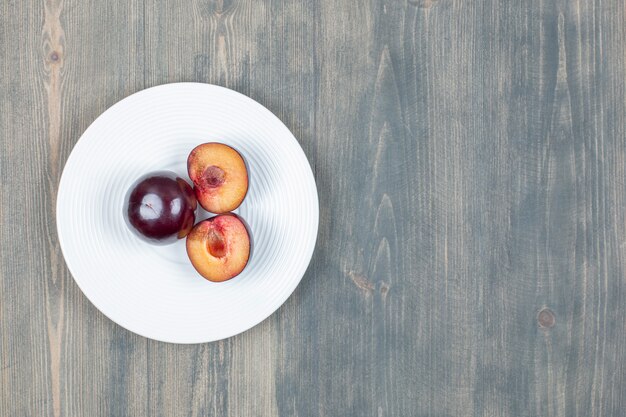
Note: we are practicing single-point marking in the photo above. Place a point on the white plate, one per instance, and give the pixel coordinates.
(153, 290)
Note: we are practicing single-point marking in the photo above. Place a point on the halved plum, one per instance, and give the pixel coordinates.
(219, 176)
(219, 247)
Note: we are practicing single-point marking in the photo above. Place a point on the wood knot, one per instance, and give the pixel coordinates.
(54, 56)
(546, 318)
(361, 281)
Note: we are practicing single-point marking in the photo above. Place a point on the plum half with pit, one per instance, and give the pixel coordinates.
(160, 207)
(219, 247)
(219, 176)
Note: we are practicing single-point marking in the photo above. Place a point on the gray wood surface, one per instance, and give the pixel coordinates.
(470, 158)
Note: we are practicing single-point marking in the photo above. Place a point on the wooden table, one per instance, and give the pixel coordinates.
(470, 158)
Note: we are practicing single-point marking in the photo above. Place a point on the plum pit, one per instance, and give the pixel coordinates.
(216, 243)
(213, 177)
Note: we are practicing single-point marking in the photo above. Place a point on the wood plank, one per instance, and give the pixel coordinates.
(63, 67)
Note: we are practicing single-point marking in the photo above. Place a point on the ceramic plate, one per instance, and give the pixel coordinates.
(153, 290)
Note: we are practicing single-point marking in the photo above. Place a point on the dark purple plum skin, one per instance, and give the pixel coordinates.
(160, 207)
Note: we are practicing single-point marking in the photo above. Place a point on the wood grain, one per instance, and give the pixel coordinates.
(470, 158)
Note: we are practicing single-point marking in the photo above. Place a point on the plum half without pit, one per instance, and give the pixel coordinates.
(160, 207)
(219, 176)
(219, 247)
